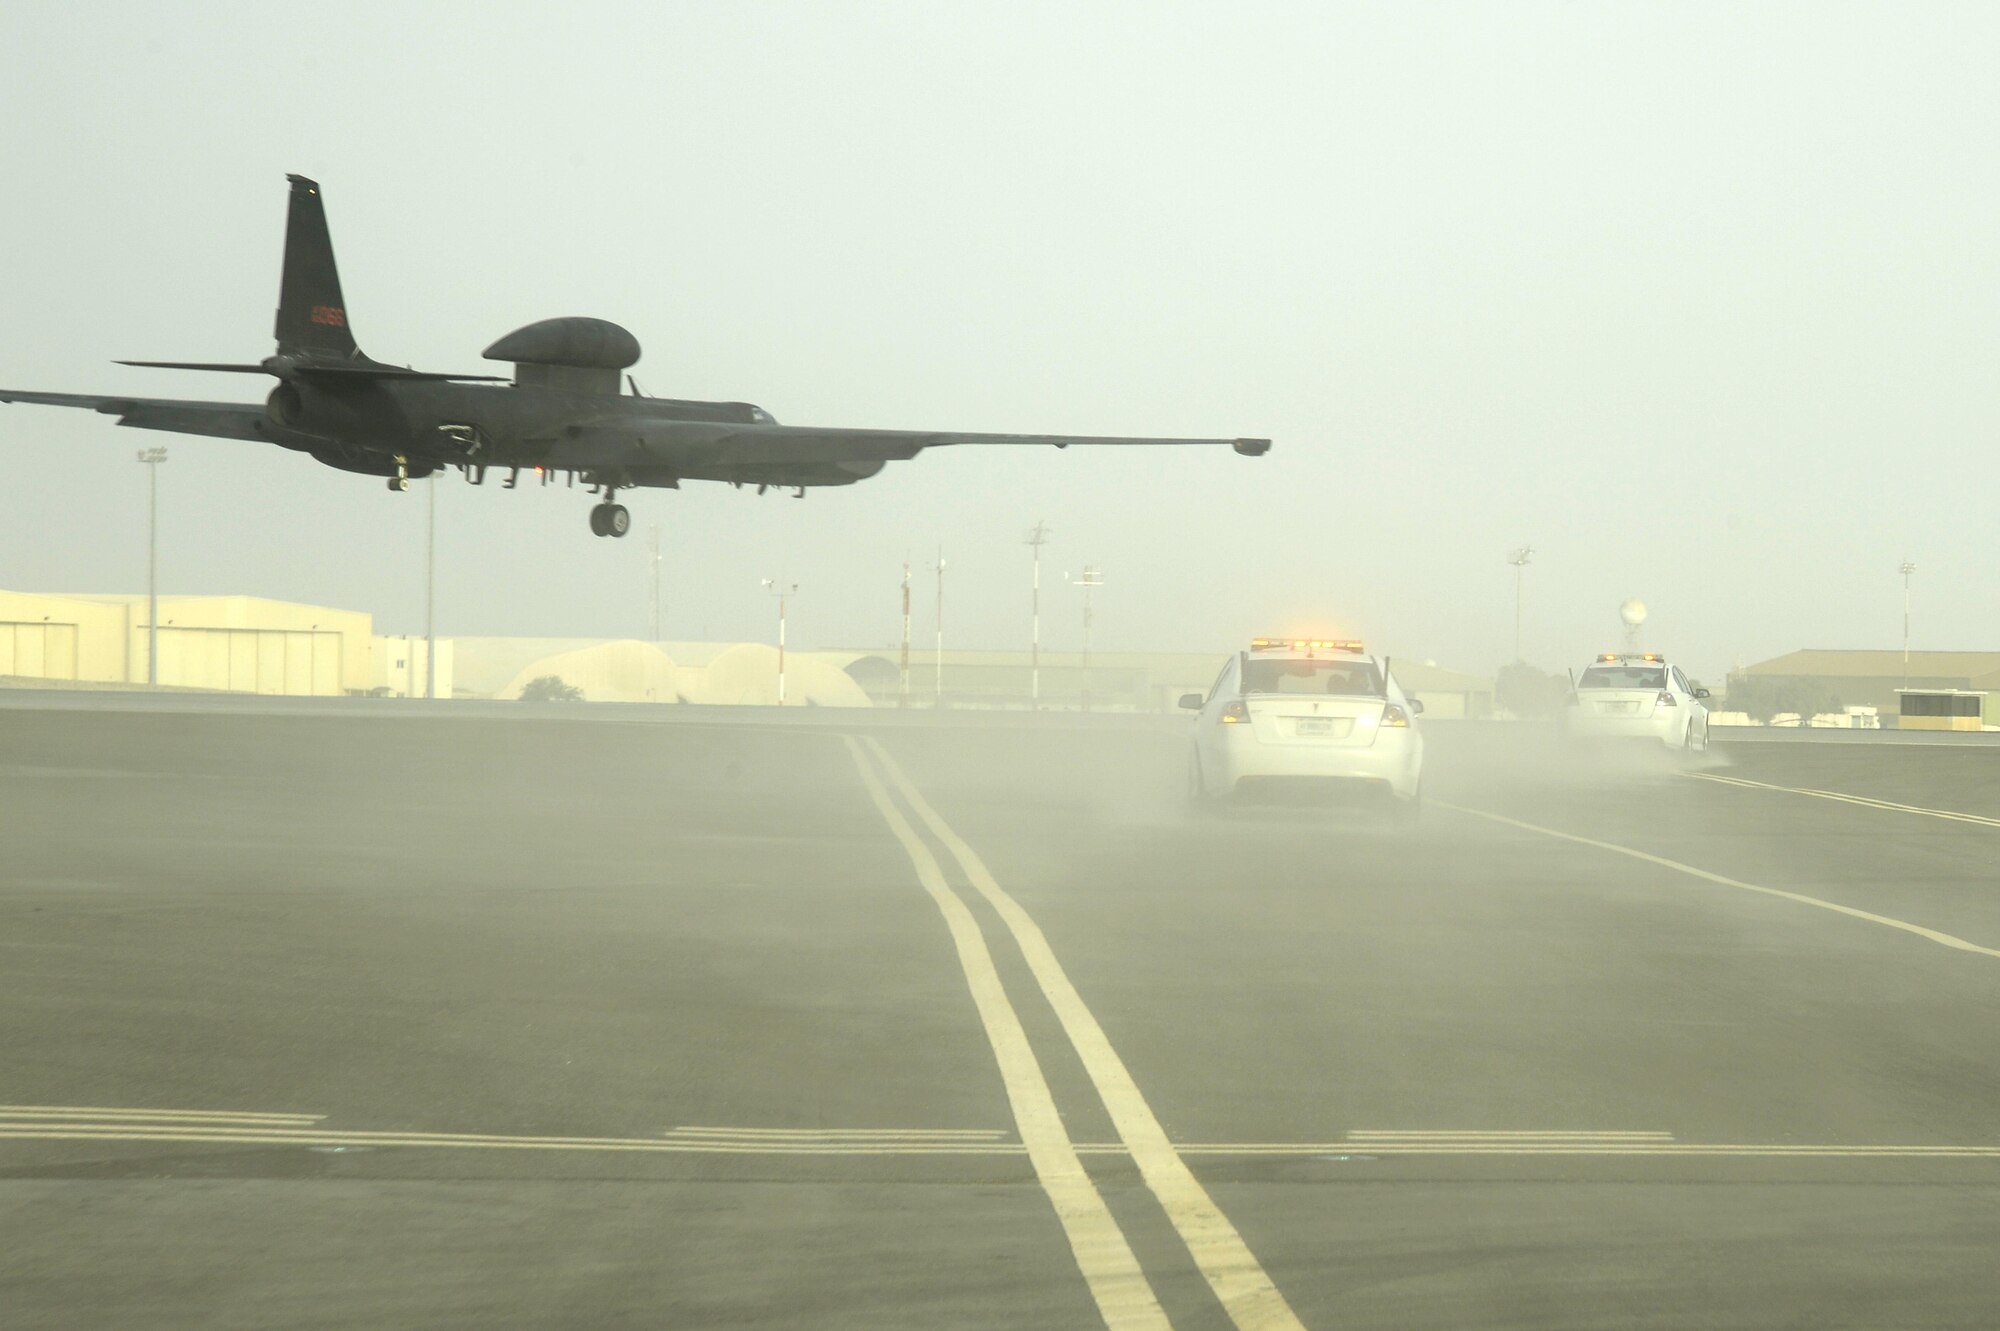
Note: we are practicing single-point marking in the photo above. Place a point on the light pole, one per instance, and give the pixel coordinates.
(1519, 559)
(152, 457)
(1090, 579)
(905, 658)
(653, 542)
(1907, 569)
(430, 591)
(938, 656)
(784, 592)
(1037, 538)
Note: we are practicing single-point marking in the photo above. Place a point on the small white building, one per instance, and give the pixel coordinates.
(401, 663)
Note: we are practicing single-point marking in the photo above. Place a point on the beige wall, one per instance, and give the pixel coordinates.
(243, 644)
(56, 637)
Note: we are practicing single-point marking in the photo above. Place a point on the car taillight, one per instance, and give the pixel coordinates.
(1393, 715)
(1665, 700)
(1235, 714)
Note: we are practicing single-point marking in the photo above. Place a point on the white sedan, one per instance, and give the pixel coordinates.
(1306, 715)
(1638, 695)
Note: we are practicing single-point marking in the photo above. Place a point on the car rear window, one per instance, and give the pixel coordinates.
(1358, 678)
(1624, 677)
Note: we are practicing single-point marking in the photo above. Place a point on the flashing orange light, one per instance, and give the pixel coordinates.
(1306, 644)
(1392, 715)
(1235, 714)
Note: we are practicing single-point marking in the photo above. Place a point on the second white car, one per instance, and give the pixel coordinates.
(1638, 695)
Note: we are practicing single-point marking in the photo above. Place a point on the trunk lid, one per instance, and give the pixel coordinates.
(1333, 722)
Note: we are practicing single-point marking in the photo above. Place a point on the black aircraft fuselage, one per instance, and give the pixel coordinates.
(564, 412)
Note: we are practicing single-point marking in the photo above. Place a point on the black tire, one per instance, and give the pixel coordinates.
(617, 520)
(597, 521)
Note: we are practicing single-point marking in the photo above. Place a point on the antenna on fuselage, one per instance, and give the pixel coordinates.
(636, 390)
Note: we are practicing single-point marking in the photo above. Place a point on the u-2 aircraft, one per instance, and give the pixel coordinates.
(564, 411)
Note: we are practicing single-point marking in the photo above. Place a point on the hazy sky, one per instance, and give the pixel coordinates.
(1701, 301)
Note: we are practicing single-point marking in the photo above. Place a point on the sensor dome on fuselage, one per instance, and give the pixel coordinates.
(573, 354)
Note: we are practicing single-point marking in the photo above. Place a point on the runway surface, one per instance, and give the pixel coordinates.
(322, 1020)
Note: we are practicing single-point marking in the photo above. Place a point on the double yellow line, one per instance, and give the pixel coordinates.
(1124, 1296)
(1864, 801)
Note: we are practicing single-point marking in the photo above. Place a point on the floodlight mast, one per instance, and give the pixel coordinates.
(430, 588)
(1519, 559)
(1037, 538)
(905, 659)
(153, 457)
(1907, 569)
(1090, 580)
(938, 655)
(653, 552)
(784, 592)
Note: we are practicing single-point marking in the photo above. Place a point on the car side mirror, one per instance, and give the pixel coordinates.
(1191, 701)
(1701, 693)
(1416, 707)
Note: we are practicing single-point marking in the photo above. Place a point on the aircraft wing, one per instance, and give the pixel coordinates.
(224, 420)
(665, 443)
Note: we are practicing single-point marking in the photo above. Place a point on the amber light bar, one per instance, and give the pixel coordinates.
(1306, 644)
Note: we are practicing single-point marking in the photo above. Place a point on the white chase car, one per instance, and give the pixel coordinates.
(1637, 695)
(1303, 714)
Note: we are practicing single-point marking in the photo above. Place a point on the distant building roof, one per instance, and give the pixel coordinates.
(1872, 664)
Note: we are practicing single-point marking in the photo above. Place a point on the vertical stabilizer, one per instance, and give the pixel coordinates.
(312, 316)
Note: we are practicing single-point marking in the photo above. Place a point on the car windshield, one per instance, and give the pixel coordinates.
(1624, 677)
(1286, 675)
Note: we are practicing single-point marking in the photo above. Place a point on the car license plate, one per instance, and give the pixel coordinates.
(1315, 726)
(1624, 707)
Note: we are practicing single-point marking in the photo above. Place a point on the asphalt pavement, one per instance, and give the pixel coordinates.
(336, 1019)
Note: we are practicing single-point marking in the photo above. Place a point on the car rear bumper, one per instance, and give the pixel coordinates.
(1663, 726)
(1392, 765)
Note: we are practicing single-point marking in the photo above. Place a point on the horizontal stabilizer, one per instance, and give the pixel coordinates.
(372, 370)
(352, 370)
(193, 365)
(222, 420)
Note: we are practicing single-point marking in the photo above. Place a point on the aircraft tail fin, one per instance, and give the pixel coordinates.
(312, 316)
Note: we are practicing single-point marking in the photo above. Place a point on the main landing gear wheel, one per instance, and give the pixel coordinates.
(610, 520)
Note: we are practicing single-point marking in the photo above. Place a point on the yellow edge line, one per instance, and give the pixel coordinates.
(1934, 935)
(1949, 814)
(94, 1111)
